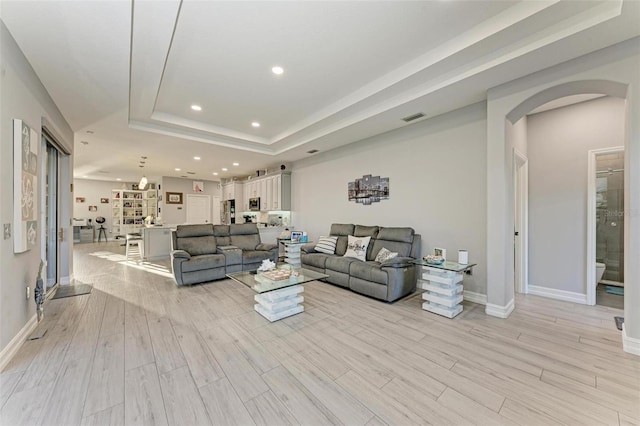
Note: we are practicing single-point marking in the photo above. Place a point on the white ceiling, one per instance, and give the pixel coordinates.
(128, 72)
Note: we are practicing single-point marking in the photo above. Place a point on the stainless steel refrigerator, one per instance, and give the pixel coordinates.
(228, 212)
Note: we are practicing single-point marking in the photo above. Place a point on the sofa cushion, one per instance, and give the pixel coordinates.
(404, 235)
(366, 231)
(385, 254)
(338, 263)
(369, 271)
(205, 261)
(243, 229)
(194, 230)
(341, 230)
(403, 249)
(394, 239)
(254, 256)
(326, 245)
(317, 260)
(245, 242)
(197, 246)
(357, 247)
(221, 230)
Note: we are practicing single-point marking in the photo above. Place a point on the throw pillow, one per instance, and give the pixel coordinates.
(385, 254)
(357, 247)
(326, 245)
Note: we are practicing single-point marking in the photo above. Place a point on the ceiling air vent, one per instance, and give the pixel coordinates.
(313, 151)
(413, 117)
(191, 173)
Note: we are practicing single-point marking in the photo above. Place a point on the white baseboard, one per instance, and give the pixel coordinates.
(14, 345)
(474, 297)
(500, 311)
(630, 344)
(552, 293)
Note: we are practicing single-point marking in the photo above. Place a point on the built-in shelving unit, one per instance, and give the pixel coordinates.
(130, 208)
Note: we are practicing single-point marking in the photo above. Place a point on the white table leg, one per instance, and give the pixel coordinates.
(278, 304)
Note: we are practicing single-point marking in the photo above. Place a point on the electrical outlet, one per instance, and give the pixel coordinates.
(28, 292)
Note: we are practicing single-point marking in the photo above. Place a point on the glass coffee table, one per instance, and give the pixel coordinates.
(279, 298)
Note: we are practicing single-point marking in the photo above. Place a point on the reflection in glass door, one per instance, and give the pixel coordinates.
(51, 212)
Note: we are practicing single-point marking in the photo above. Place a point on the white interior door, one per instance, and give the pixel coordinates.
(198, 208)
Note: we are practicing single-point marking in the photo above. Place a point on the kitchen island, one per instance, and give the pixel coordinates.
(156, 241)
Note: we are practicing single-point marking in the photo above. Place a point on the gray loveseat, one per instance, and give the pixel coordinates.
(389, 281)
(208, 252)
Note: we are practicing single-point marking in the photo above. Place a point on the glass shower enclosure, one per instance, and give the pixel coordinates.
(610, 216)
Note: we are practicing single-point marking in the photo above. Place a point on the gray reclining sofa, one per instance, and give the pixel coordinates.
(389, 281)
(207, 252)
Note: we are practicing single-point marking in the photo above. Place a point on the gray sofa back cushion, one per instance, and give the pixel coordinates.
(367, 231)
(341, 230)
(243, 229)
(404, 235)
(194, 230)
(245, 242)
(221, 230)
(197, 246)
(397, 240)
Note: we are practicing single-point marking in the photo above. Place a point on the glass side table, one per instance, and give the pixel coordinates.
(443, 286)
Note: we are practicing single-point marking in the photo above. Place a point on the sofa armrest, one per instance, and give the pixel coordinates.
(266, 247)
(308, 248)
(397, 262)
(180, 254)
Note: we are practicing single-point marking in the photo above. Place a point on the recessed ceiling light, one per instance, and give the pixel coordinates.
(177, 169)
(215, 173)
(85, 176)
(224, 169)
(196, 158)
(84, 142)
(196, 107)
(277, 70)
(236, 164)
(255, 124)
(118, 179)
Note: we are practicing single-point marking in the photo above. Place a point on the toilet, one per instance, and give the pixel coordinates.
(599, 271)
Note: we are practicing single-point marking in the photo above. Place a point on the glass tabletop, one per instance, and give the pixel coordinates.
(447, 265)
(261, 284)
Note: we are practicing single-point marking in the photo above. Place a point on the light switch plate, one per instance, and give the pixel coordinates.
(7, 231)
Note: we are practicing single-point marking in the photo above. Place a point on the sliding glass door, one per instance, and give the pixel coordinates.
(52, 220)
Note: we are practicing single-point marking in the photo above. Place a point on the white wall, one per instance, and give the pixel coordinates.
(558, 142)
(24, 97)
(93, 191)
(176, 214)
(437, 182)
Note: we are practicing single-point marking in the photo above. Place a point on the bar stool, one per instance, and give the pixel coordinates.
(133, 239)
(102, 230)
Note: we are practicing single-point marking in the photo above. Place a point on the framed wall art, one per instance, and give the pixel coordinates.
(174, 197)
(25, 186)
(368, 189)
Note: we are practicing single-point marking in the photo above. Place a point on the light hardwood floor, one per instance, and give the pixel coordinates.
(140, 350)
